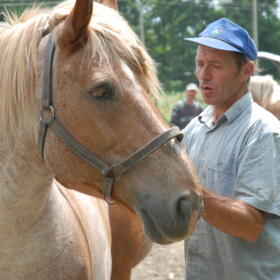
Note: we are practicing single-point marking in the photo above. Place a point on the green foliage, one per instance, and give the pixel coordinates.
(268, 26)
(167, 23)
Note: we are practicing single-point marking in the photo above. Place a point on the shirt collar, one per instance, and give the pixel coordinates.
(230, 115)
(239, 107)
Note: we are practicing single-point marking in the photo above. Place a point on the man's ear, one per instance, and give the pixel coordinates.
(249, 69)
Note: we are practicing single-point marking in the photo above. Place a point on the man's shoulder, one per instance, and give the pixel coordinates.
(192, 133)
(194, 127)
(266, 121)
(180, 105)
(198, 105)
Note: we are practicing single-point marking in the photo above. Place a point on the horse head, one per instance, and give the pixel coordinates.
(97, 85)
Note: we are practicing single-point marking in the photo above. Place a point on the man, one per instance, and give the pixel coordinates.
(185, 110)
(235, 147)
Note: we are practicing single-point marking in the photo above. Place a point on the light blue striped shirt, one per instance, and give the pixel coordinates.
(239, 157)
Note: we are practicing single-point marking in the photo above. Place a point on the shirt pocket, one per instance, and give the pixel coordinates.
(222, 177)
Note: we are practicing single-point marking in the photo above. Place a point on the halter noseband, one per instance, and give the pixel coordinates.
(49, 120)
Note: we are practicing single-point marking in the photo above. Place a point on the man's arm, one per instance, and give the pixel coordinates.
(233, 216)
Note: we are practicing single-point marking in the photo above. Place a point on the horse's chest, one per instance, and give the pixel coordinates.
(57, 248)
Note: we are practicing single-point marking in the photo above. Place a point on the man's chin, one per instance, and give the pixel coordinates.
(208, 100)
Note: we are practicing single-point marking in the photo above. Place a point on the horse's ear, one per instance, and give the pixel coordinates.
(110, 3)
(75, 26)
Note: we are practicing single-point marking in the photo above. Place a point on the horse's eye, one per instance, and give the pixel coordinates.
(102, 91)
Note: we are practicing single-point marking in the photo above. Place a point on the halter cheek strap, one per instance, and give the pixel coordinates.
(49, 120)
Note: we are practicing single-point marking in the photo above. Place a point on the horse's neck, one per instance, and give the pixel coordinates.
(24, 185)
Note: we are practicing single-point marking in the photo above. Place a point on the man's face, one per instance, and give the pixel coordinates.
(220, 80)
(191, 93)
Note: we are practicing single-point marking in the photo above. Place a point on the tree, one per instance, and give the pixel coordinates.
(167, 23)
(268, 26)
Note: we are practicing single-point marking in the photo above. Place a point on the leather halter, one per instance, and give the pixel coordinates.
(49, 120)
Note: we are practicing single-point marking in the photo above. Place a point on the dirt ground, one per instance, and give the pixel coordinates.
(163, 263)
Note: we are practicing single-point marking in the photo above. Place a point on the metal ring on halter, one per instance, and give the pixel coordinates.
(47, 121)
(107, 189)
(109, 202)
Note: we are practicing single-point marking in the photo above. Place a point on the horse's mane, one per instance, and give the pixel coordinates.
(19, 41)
(265, 90)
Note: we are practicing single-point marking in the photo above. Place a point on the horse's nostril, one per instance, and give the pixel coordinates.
(184, 208)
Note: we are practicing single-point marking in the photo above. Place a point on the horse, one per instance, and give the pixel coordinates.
(77, 89)
(266, 92)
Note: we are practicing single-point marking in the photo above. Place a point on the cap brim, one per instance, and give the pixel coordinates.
(192, 88)
(213, 43)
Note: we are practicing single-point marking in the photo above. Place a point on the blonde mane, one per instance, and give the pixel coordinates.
(265, 90)
(110, 37)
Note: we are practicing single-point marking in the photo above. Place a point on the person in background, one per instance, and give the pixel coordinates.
(185, 110)
(234, 145)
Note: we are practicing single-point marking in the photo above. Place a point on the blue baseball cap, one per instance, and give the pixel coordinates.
(226, 35)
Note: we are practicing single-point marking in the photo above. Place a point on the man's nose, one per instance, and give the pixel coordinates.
(204, 74)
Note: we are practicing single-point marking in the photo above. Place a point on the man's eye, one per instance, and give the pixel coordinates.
(217, 66)
(102, 91)
(199, 65)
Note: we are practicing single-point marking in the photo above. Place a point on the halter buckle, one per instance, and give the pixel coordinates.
(47, 115)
